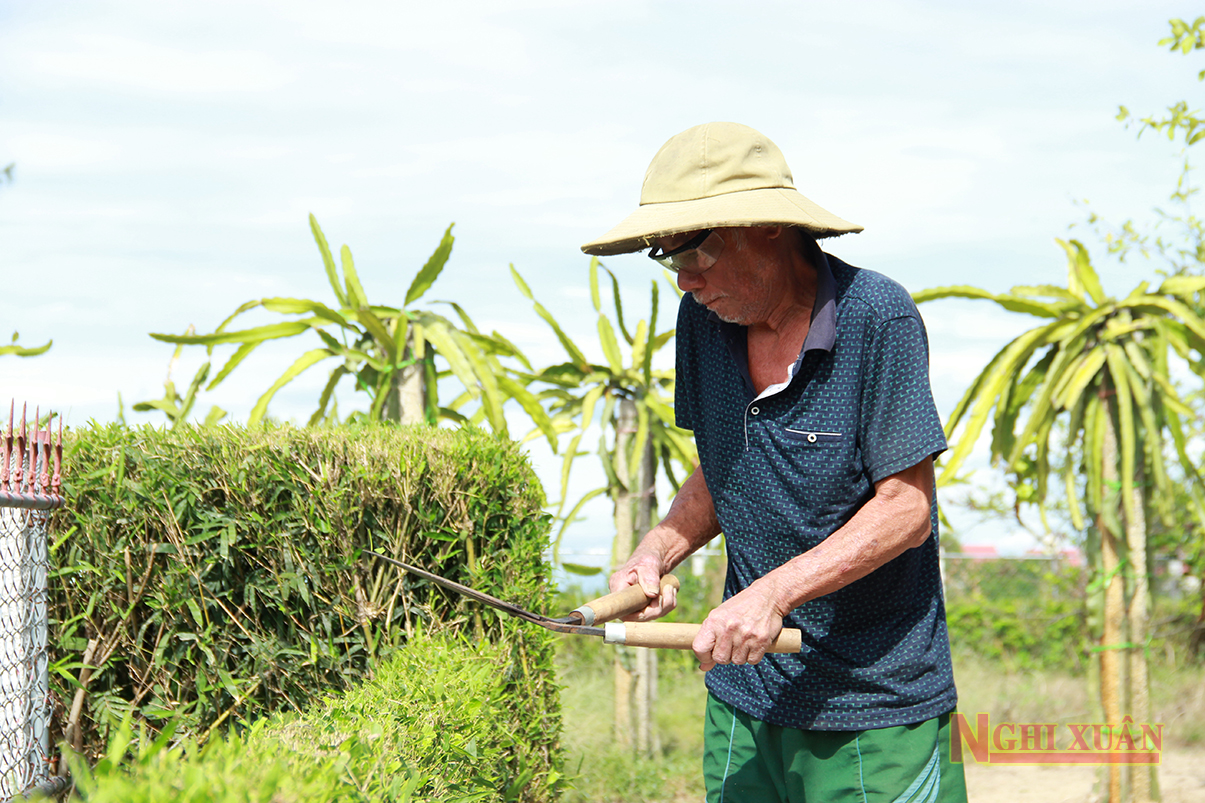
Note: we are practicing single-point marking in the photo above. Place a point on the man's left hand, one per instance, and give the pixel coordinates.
(741, 630)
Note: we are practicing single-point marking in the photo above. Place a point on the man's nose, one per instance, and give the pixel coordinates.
(689, 282)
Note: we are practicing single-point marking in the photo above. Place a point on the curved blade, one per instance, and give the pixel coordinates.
(493, 602)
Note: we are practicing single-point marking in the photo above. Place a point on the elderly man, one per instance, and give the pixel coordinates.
(805, 381)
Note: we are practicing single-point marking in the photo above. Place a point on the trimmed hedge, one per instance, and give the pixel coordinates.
(216, 571)
(414, 732)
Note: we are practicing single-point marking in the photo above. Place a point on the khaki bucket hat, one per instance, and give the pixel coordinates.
(716, 175)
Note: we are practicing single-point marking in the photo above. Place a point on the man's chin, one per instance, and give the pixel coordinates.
(719, 313)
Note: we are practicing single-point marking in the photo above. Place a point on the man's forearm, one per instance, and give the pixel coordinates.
(690, 523)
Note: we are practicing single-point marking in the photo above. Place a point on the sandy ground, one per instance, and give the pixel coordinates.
(1181, 777)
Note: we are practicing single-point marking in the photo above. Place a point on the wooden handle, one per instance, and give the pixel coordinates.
(679, 636)
(621, 603)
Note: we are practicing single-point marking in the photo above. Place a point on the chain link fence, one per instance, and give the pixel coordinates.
(28, 494)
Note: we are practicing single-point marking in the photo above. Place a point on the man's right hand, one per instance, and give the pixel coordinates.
(646, 569)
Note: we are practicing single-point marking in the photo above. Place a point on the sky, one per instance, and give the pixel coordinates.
(167, 156)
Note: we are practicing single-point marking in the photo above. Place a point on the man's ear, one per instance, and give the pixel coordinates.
(773, 232)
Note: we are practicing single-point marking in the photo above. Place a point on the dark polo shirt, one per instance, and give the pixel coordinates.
(790, 467)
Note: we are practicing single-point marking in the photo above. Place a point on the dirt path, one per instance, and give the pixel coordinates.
(1181, 777)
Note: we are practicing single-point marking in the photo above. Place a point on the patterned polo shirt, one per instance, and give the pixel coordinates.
(789, 467)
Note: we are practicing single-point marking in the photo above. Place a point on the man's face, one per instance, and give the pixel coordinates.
(737, 286)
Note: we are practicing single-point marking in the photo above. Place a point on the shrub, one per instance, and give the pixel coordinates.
(432, 724)
(214, 574)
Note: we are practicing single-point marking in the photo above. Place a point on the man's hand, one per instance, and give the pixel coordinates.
(646, 569)
(740, 630)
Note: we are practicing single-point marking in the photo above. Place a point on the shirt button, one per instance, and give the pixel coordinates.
(755, 411)
(811, 437)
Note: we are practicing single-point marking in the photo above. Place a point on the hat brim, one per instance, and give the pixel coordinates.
(765, 207)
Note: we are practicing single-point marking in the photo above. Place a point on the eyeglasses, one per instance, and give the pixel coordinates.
(696, 255)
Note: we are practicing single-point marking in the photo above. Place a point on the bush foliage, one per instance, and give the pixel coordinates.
(414, 732)
(215, 573)
(1023, 614)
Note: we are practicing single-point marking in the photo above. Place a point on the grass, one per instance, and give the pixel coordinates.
(1177, 697)
(601, 771)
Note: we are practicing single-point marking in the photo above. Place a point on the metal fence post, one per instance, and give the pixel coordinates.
(30, 476)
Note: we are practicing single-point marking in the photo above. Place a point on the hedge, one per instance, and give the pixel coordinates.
(214, 575)
(412, 733)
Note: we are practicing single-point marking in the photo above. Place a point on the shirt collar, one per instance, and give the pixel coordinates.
(822, 332)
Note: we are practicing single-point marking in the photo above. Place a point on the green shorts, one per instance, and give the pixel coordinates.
(745, 759)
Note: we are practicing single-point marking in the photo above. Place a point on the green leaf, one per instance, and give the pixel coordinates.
(1126, 434)
(568, 519)
(356, 296)
(586, 419)
(257, 335)
(464, 317)
(1078, 376)
(430, 271)
(640, 361)
(1007, 410)
(1153, 438)
(1184, 286)
(26, 351)
(328, 261)
(1008, 302)
(651, 345)
(1170, 397)
(1177, 310)
(324, 399)
(381, 335)
(522, 285)
(190, 396)
(575, 354)
(594, 294)
(639, 442)
(610, 346)
(580, 569)
(1093, 443)
(1138, 359)
(513, 349)
(301, 306)
(986, 389)
(1048, 290)
(302, 363)
(623, 328)
(1043, 408)
(1081, 274)
(167, 406)
(531, 406)
(1069, 476)
(239, 355)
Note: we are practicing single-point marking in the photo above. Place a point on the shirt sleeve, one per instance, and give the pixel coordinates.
(899, 425)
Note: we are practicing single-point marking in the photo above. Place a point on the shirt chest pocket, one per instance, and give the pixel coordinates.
(817, 452)
(812, 437)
